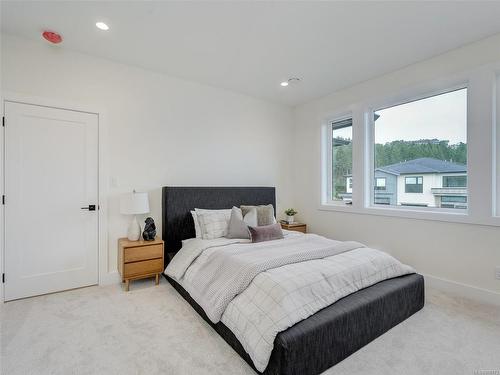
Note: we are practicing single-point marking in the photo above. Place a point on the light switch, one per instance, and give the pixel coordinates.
(115, 183)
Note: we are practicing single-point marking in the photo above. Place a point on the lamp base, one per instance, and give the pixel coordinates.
(134, 230)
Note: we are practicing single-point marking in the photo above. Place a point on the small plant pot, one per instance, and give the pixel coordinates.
(289, 219)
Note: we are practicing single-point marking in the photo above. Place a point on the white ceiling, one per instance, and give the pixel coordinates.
(250, 47)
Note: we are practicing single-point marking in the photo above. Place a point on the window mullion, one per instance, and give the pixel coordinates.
(358, 158)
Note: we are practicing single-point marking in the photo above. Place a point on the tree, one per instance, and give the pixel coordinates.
(392, 153)
(400, 151)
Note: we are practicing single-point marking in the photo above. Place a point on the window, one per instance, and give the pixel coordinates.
(417, 141)
(455, 181)
(414, 184)
(380, 183)
(349, 185)
(341, 161)
(382, 200)
(453, 201)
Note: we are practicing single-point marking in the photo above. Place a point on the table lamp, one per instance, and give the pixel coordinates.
(134, 204)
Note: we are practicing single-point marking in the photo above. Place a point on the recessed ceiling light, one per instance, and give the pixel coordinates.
(290, 81)
(102, 26)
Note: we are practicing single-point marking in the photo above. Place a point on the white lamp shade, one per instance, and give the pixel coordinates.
(134, 203)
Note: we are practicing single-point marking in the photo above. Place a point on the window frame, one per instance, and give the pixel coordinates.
(417, 178)
(327, 159)
(496, 143)
(483, 146)
(376, 187)
(404, 97)
(447, 177)
(453, 201)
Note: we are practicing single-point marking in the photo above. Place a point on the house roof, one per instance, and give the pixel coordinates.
(423, 165)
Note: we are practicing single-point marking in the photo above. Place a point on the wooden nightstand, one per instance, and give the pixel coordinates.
(298, 227)
(139, 259)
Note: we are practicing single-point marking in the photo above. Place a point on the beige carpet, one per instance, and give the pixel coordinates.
(152, 330)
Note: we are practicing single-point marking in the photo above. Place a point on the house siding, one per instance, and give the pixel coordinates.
(391, 189)
(427, 197)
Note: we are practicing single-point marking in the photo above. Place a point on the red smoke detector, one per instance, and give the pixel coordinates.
(52, 37)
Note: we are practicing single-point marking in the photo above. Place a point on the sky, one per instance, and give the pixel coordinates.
(345, 133)
(443, 117)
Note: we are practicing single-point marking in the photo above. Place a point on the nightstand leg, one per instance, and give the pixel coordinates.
(127, 285)
(157, 279)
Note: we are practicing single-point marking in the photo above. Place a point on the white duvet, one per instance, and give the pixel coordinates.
(257, 297)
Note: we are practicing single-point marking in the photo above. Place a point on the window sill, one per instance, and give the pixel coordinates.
(443, 215)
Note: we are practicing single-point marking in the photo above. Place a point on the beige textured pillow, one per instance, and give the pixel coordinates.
(265, 214)
(197, 228)
(213, 223)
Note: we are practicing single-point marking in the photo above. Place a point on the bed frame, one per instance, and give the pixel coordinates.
(327, 337)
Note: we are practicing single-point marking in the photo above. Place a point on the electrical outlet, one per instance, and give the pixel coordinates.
(497, 273)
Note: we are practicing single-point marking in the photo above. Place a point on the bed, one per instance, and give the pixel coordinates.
(318, 342)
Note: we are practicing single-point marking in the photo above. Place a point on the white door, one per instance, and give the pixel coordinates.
(51, 170)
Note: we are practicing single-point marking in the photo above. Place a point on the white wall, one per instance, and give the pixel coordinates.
(463, 253)
(431, 180)
(164, 130)
(161, 130)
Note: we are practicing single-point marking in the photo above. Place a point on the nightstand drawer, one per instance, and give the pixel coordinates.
(298, 227)
(133, 254)
(143, 268)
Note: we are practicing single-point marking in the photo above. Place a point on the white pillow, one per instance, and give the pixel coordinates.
(213, 223)
(197, 228)
(238, 225)
(250, 218)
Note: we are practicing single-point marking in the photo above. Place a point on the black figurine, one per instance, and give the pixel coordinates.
(149, 233)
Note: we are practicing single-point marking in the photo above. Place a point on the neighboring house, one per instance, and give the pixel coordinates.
(347, 196)
(385, 186)
(424, 182)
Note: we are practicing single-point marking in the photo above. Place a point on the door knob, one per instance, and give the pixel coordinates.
(91, 207)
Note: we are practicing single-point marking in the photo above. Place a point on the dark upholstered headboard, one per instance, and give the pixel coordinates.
(177, 201)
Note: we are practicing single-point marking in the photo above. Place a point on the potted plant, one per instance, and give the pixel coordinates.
(290, 213)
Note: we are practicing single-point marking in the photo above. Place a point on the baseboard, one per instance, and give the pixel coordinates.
(109, 278)
(463, 290)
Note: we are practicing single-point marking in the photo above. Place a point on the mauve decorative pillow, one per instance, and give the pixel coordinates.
(266, 233)
(265, 214)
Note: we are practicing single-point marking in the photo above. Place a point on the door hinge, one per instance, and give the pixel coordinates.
(3, 199)
(3, 278)
(3, 120)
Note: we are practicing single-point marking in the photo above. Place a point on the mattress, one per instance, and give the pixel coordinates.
(315, 344)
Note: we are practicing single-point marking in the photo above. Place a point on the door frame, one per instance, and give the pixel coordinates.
(104, 276)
